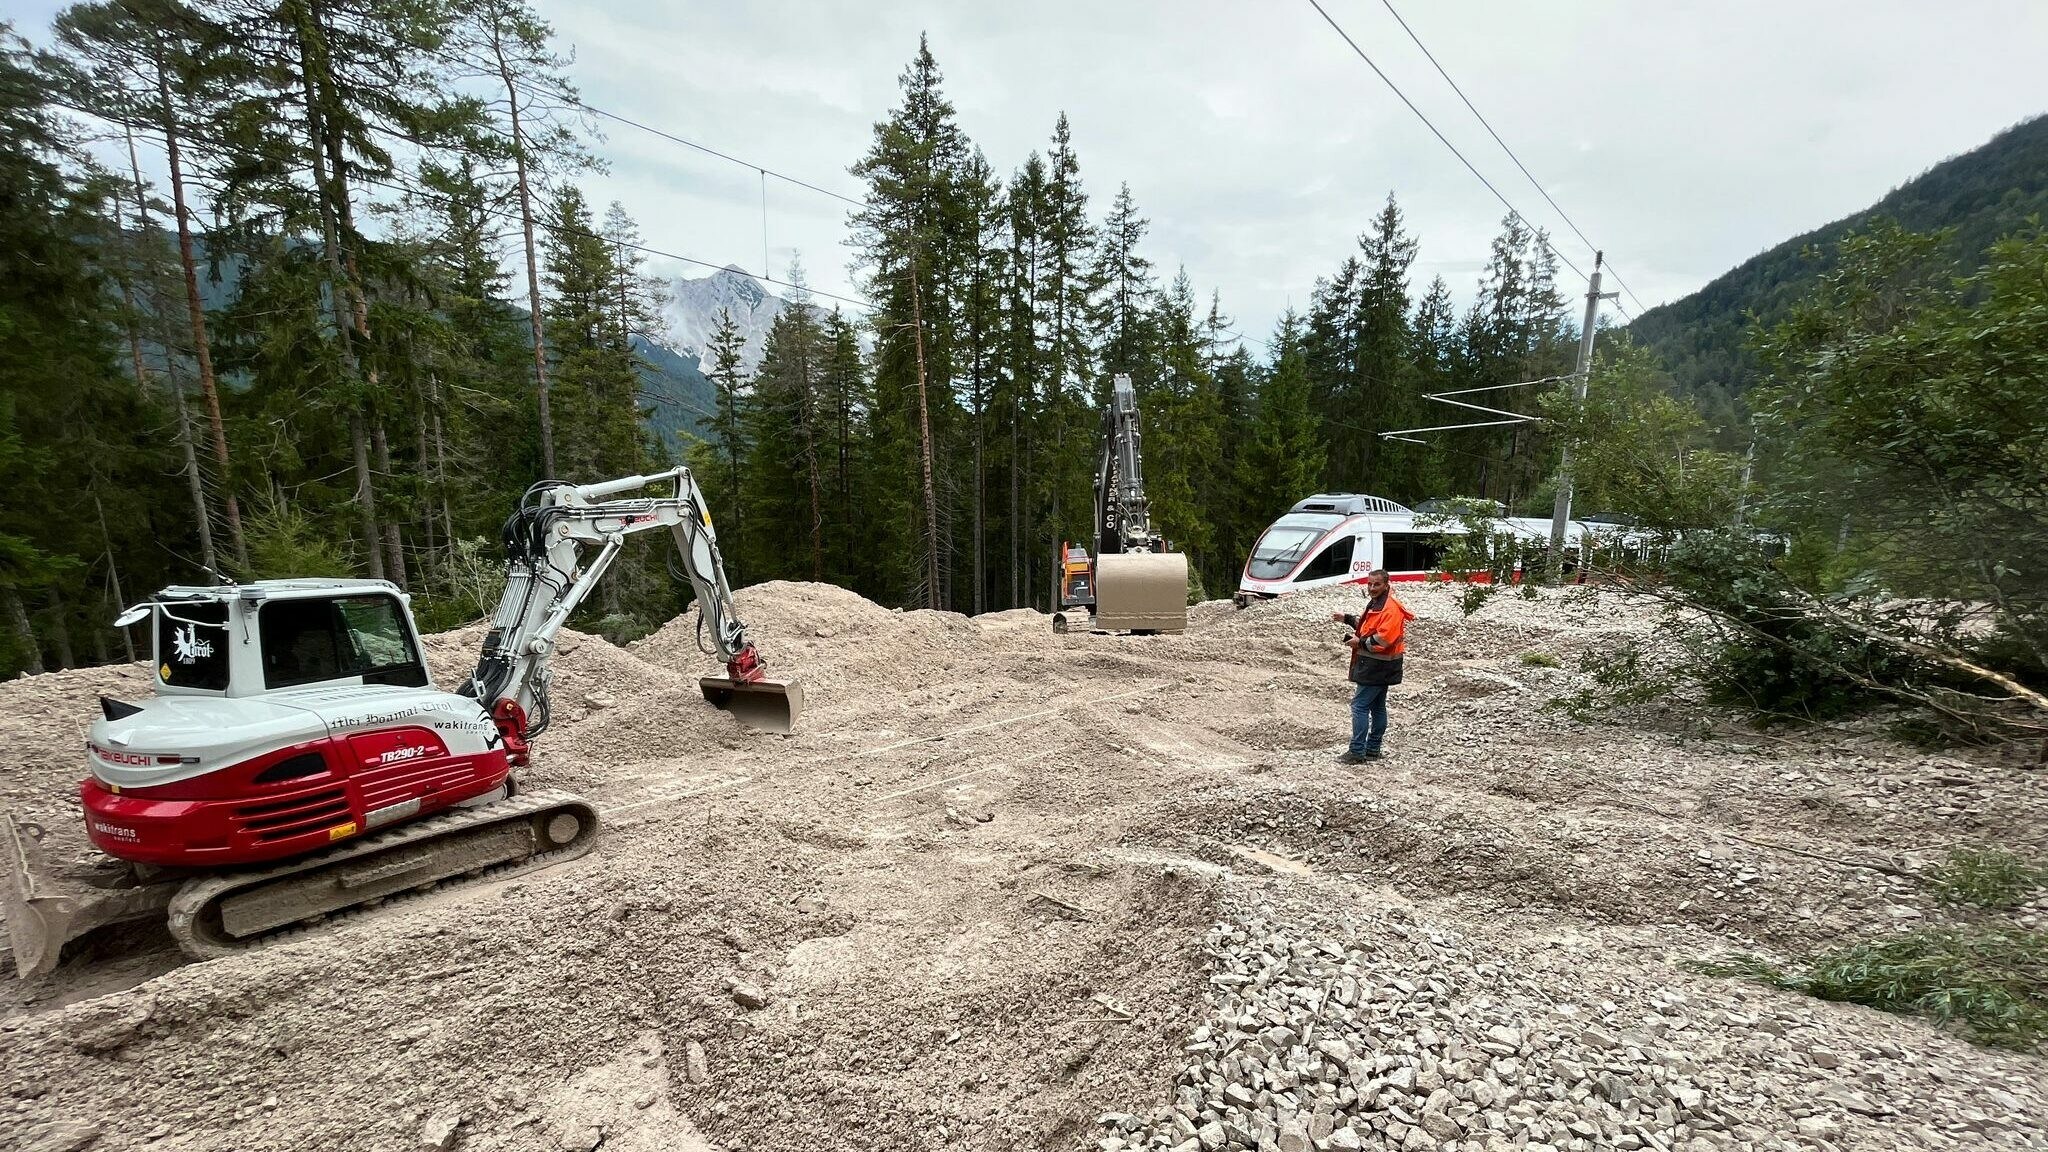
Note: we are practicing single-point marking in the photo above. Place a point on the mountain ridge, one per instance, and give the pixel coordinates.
(1982, 194)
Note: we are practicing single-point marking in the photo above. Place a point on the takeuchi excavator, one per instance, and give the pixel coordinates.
(1134, 583)
(297, 760)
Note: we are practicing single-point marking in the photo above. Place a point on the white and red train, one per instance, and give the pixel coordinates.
(1339, 537)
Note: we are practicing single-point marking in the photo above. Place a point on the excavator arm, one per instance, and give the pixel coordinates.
(547, 578)
(1136, 583)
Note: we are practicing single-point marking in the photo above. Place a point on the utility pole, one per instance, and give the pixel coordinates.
(1561, 511)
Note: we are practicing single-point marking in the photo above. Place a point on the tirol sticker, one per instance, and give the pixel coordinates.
(187, 645)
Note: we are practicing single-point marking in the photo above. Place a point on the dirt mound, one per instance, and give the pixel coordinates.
(1005, 889)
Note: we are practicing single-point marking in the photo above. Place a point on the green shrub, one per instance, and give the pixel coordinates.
(1989, 877)
(1540, 660)
(1993, 985)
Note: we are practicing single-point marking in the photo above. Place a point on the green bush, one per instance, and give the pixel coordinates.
(1989, 877)
(1540, 660)
(1992, 984)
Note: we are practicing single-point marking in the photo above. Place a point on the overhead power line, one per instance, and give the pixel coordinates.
(1484, 123)
(505, 214)
(486, 68)
(710, 151)
(1445, 140)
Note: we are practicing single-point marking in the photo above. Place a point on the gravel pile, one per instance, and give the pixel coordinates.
(1383, 1031)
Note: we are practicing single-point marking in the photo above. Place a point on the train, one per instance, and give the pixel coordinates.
(1340, 537)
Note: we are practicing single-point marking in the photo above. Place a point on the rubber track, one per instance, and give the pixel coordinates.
(196, 895)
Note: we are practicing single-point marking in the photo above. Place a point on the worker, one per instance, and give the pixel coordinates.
(1377, 641)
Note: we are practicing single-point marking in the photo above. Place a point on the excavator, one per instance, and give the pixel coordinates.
(297, 760)
(1134, 583)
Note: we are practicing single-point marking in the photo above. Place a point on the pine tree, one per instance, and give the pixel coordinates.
(69, 416)
(531, 124)
(1283, 457)
(1124, 343)
(918, 240)
(725, 454)
(154, 65)
(785, 485)
(983, 319)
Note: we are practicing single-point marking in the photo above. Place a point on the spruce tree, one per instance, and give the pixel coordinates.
(917, 238)
(1282, 459)
(532, 124)
(720, 460)
(1124, 343)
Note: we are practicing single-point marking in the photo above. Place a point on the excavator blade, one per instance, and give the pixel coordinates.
(44, 913)
(769, 705)
(1141, 592)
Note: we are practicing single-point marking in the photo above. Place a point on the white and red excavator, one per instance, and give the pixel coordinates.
(297, 760)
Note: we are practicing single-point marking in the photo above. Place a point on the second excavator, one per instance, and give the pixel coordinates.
(296, 760)
(1134, 582)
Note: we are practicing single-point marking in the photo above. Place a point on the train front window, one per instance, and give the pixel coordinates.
(1284, 544)
(1334, 560)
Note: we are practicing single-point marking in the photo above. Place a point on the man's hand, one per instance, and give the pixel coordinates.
(1337, 617)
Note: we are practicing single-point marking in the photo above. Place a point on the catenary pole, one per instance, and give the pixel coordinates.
(1561, 511)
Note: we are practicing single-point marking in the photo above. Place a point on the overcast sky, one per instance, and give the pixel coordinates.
(1682, 137)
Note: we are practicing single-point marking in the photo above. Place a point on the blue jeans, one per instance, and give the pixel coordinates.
(1368, 718)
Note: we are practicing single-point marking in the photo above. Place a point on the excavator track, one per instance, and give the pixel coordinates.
(229, 912)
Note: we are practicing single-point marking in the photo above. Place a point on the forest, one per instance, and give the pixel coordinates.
(353, 304)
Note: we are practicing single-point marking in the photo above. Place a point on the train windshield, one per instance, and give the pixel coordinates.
(1286, 542)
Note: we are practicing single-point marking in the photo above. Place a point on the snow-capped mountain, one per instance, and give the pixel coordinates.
(693, 307)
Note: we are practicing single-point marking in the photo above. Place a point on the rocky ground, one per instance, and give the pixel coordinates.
(1010, 890)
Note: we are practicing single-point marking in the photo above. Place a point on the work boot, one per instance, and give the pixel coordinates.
(1354, 758)
(1371, 754)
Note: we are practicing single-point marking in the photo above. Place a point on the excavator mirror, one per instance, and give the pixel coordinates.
(135, 615)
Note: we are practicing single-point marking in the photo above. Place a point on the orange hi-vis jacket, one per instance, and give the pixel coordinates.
(1389, 625)
(1380, 663)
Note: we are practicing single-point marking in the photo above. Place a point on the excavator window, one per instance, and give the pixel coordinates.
(192, 644)
(307, 641)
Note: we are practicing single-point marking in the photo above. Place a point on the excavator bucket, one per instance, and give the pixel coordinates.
(769, 705)
(1141, 592)
(44, 913)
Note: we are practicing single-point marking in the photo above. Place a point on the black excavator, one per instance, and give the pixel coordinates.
(1134, 582)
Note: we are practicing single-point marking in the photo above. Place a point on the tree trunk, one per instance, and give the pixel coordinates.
(60, 633)
(201, 348)
(201, 518)
(32, 650)
(809, 413)
(113, 578)
(394, 533)
(540, 357)
(924, 435)
(366, 495)
(441, 480)
(421, 468)
(342, 298)
(1016, 481)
